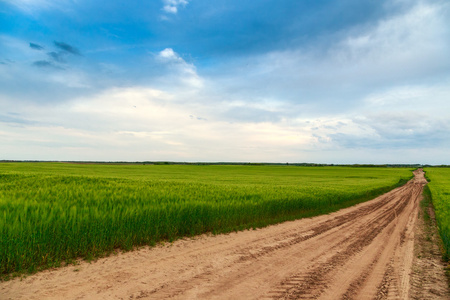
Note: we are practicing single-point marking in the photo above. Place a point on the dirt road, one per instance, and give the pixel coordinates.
(363, 252)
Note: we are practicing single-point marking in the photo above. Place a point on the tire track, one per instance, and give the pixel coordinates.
(317, 280)
(313, 283)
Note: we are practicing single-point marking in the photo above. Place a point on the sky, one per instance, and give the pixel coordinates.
(316, 81)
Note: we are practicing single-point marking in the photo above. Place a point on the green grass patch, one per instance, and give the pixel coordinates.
(439, 186)
(426, 204)
(54, 213)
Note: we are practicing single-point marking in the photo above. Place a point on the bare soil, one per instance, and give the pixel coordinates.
(363, 252)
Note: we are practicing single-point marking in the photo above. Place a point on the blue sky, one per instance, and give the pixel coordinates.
(250, 81)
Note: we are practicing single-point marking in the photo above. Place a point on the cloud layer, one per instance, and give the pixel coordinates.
(171, 6)
(269, 86)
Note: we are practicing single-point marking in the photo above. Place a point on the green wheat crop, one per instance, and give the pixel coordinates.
(54, 212)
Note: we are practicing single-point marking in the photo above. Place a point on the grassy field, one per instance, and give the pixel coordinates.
(440, 192)
(55, 212)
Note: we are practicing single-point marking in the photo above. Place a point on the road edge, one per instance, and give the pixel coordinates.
(428, 275)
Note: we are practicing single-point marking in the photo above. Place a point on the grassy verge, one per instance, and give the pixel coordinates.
(439, 187)
(431, 227)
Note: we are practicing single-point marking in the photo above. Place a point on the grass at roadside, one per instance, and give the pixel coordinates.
(439, 186)
(428, 280)
(52, 213)
(439, 193)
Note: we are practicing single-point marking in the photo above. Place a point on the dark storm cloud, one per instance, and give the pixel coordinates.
(36, 46)
(42, 63)
(46, 64)
(57, 56)
(67, 48)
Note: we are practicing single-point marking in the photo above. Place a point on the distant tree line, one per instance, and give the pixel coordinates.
(238, 163)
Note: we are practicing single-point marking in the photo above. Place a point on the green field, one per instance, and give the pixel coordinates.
(440, 192)
(56, 212)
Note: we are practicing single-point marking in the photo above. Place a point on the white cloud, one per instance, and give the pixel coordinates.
(171, 6)
(412, 45)
(432, 99)
(182, 71)
(144, 124)
(170, 56)
(417, 41)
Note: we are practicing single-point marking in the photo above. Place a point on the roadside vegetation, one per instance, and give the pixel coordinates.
(54, 213)
(439, 185)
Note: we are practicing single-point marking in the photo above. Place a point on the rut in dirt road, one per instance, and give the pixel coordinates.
(362, 252)
(379, 243)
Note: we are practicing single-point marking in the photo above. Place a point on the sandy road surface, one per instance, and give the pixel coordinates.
(363, 252)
